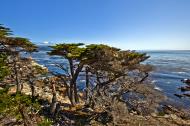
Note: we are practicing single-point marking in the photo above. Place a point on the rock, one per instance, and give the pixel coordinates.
(187, 81)
(81, 95)
(46, 89)
(188, 95)
(26, 89)
(153, 114)
(5, 121)
(47, 96)
(12, 90)
(186, 88)
(168, 109)
(62, 90)
(34, 63)
(166, 116)
(179, 95)
(39, 83)
(87, 110)
(173, 116)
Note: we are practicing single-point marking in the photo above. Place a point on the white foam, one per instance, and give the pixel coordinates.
(154, 81)
(82, 80)
(157, 88)
(179, 72)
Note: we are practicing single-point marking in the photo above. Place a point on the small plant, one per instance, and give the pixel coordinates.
(18, 106)
(45, 122)
(4, 71)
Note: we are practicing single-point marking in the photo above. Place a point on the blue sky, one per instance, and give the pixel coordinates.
(127, 24)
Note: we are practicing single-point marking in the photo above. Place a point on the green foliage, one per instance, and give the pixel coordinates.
(4, 71)
(100, 47)
(45, 122)
(69, 51)
(6, 39)
(11, 104)
(23, 43)
(95, 51)
(11, 46)
(4, 31)
(40, 70)
(102, 60)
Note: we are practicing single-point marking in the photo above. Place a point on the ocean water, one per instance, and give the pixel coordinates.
(169, 68)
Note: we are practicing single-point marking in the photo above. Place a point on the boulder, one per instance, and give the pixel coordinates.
(186, 88)
(187, 95)
(187, 81)
(12, 90)
(179, 95)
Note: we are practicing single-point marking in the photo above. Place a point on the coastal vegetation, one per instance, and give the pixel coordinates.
(116, 87)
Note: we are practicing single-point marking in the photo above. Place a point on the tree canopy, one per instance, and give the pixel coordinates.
(7, 41)
(10, 48)
(105, 63)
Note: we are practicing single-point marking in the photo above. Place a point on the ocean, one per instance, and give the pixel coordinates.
(170, 67)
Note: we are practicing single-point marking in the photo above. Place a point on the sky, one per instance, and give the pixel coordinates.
(126, 24)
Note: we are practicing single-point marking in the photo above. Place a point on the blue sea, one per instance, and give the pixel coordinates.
(169, 68)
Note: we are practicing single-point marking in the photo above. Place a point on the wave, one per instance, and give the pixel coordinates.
(158, 88)
(180, 72)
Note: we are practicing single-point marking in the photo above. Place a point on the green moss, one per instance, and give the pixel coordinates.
(161, 113)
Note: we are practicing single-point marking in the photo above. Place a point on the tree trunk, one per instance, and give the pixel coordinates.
(25, 116)
(71, 83)
(32, 89)
(71, 94)
(75, 93)
(74, 79)
(87, 86)
(68, 90)
(16, 75)
(54, 100)
(31, 84)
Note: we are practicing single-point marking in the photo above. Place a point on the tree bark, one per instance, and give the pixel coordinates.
(71, 83)
(32, 89)
(16, 74)
(25, 116)
(71, 96)
(74, 79)
(54, 99)
(75, 93)
(87, 85)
